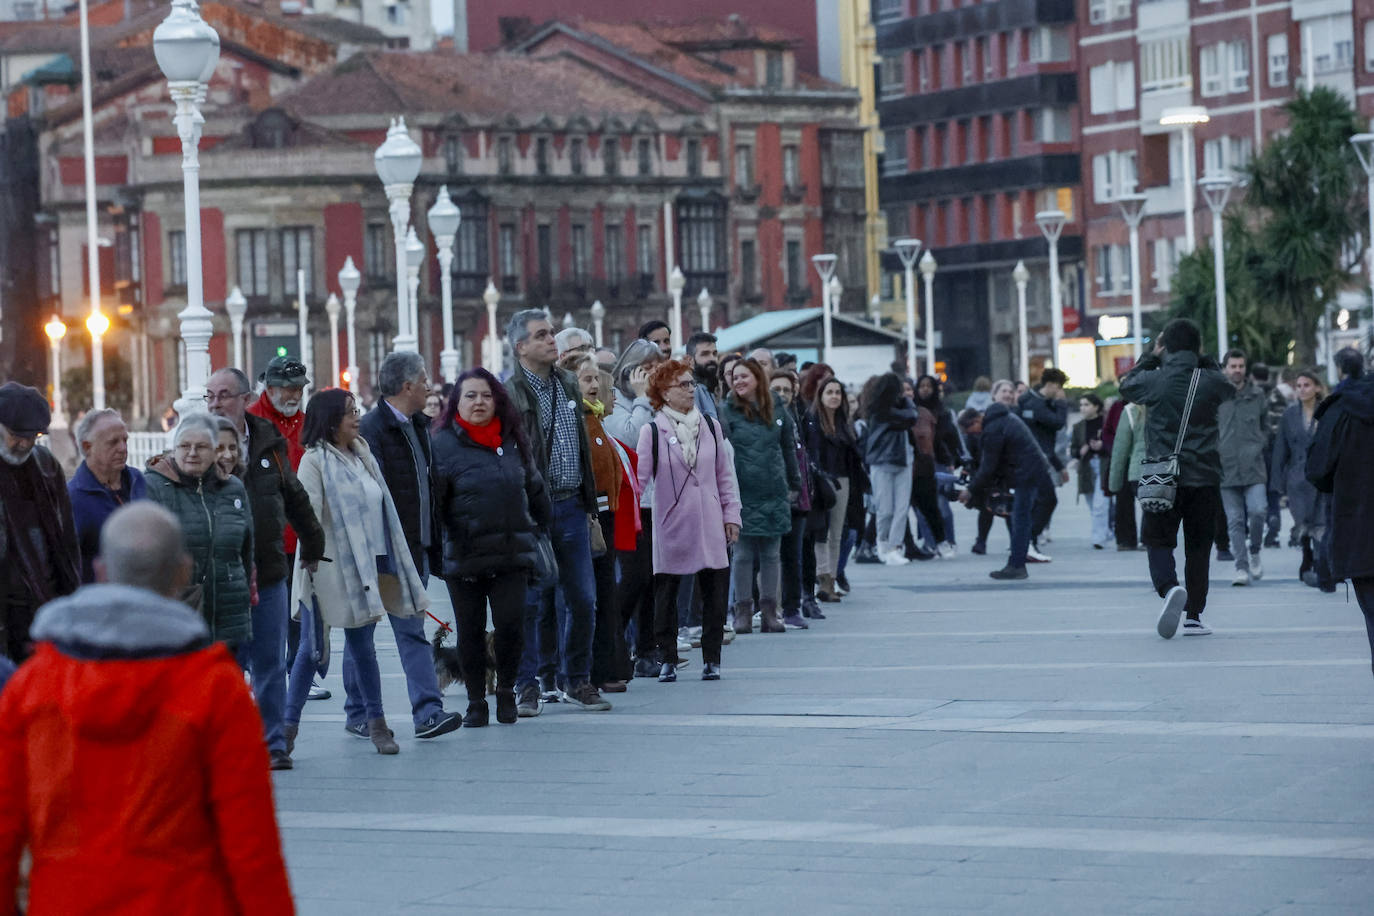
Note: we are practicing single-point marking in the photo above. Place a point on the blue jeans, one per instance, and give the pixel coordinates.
(1023, 501)
(367, 678)
(574, 616)
(264, 657)
(417, 661)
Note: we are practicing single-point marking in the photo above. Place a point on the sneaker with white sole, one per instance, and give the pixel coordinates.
(318, 692)
(895, 557)
(729, 635)
(1196, 628)
(946, 551)
(694, 635)
(1256, 568)
(1035, 556)
(1242, 577)
(528, 703)
(1174, 600)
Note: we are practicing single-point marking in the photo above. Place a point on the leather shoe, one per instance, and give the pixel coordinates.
(506, 710)
(613, 687)
(477, 716)
(710, 671)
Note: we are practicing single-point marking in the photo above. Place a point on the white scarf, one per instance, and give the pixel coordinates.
(687, 426)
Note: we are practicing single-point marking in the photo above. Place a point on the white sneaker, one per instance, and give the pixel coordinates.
(946, 551)
(684, 645)
(1167, 625)
(896, 557)
(1196, 628)
(1256, 569)
(1242, 577)
(729, 635)
(1036, 556)
(694, 636)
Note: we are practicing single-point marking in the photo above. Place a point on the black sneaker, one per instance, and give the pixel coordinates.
(843, 582)
(358, 730)
(646, 667)
(441, 723)
(280, 760)
(1009, 572)
(528, 704)
(979, 547)
(586, 696)
(1225, 556)
(710, 671)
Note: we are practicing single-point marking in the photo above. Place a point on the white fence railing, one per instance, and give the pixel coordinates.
(145, 446)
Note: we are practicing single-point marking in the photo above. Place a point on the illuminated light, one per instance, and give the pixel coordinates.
(346, 378)
(55, 329)
(1343, 319)
(281, 351)
(1078, 359)
(1188, 115)
(1113, 326)
(126, 309)
(97, 324)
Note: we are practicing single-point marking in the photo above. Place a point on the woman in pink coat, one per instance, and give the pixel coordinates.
(684, 458)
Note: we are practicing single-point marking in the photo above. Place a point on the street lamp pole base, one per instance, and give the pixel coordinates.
(448, 365)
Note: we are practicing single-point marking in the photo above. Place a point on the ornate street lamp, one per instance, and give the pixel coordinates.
(825, 268)
(1132, 208)
(928, 267)
(303, 324)
(704, 306)
(237, 308)
(187, 50)
(1217, 189)
(676, 283)
(415, 257)
(349, 281)
(1022, 277)
(1051, 223)
(492, 297)
(1187, 118)
(398, 161)
(56, 330)
(331, 308)
(598, 317)
(907, 250)
(1364, 148)
(444, 220)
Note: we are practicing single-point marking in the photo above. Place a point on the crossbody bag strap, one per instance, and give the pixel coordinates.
(1187, 411)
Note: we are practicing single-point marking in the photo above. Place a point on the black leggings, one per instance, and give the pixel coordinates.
(635, 596)
(506, 593)
(713, 585)
(610, 657)
(925, 499)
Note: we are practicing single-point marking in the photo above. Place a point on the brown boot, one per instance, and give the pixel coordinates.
(771, 623)
(825, 590)
(291, 729)
(383, 738)
(744, 616)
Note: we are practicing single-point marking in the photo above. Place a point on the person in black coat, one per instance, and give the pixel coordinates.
(493, 503)
(1011, 456)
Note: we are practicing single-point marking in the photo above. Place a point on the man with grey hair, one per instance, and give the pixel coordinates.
(103, 482)
(397, 432)
(764, 357)
(573, 340)
(550, 404)
(40, 558)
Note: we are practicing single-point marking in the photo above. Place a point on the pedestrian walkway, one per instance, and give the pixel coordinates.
(941, 743)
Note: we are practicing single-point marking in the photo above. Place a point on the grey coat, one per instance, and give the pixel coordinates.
(1288, 472)
(1243, 433)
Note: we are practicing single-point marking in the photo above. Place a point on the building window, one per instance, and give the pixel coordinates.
(1222, 154)
(453, 155)
(615, 258)
(796, 270)
(1166, 255)
(993, 216)
(1114, 174)
(693, 158)
(985, 56)
(1051, 125)
(701, 228)
(748, 268)
(1112, 87)
(889, 10)
(1165, 64)
(644, 258)
(744, 166)
(965, 51)
(923, 70)
(791, 167)
(541, 155)
(176, 256)
(543, 248)
(989, 153)
(1333, 43)
(970, 220)
(1278, 57)
(944, 141)
(1012, 40)
(251, 248)
(1113, 269)
(576, 154)
(898, 224)
(297, 253)
(1368, 49)
(773, 70)
(510, 272)
(892, 75)
(645, 151)
(581, 255)
(375, 258)
(1049, 44)
(610, 153)
(470, 260)
(504, 155)
(1225, 68)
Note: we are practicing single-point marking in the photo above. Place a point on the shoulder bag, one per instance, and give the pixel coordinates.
(1158, 487)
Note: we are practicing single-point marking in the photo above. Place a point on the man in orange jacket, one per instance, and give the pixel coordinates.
(132, 762)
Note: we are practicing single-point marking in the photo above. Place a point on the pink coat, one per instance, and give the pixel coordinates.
(691, 507)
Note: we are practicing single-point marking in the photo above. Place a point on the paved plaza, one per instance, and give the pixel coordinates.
(941, 743)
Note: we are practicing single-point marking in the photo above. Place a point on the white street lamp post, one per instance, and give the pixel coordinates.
(349, 281)
(568, 320)
(92, 242)
(1364, 148)
(1187, 117)
(1217, 189)
(676, 283)
(237, 308)
(1132, 208)
(704, 306)
(834, 290)
(398, 161)
(444, 220)
(907, 250)
(598, 317)
(1022, 277)
(875, 310)
(825, 267)
(56, 330)
(1051, 223)
(331, 308)
(415, 256)
(302, 321)
(928, 267)
(187, 50)
(492, 297)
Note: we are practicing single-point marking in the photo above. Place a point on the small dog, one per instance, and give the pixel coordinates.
(448, 664)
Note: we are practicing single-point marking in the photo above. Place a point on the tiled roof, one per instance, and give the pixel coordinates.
(487, 85)
(717, 32)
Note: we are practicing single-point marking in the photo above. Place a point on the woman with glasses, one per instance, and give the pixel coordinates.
(212, 507)
(370, 572)
(696, 513)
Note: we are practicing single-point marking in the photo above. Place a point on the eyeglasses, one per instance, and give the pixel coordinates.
(686, 385)
(214, 397)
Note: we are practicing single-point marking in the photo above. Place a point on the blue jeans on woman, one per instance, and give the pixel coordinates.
(367, 675)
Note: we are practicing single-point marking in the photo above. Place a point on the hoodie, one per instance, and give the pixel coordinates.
(132, 765)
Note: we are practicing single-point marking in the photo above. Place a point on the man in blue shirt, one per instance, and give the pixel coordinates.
(103, 482)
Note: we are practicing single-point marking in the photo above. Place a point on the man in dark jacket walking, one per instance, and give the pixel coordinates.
(1045, 412)
(275, 498)
(1160, 382)
(549, 402)
(1010, 456)
(397, 432)
(103, 481)
(1243, 430)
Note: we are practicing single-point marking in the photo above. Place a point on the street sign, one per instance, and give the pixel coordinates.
(1070, 320)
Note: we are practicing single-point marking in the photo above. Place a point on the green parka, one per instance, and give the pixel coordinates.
(765, 467)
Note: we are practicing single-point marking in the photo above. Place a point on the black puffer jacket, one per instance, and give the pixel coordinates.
(1009, 454)
(1045, 418)
(397, 459)
(491, 503)
(277, 497)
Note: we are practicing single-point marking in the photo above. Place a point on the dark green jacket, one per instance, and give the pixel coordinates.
(765, 467)
(1243, 424)
(522, 396)
(217, 530)
(1162, 387)
(277, 497)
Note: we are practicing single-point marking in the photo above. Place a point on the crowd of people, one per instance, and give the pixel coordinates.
(594, 517)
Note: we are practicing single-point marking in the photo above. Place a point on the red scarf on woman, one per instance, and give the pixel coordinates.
(489, 435)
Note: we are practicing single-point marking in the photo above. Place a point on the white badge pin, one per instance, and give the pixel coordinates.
(238, 504)
(779, 421)
(572, 405)
(598, 441)
(499, 450)
(266, 463)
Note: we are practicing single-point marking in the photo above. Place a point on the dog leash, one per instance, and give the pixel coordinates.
(448, 628)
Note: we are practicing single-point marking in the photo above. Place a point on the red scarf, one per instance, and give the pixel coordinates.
(489, 435)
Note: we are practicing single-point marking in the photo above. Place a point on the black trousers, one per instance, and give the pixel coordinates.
(1125, 516)
(635, 597)
(714, 587)
(925, 499)
(1223, 532)
(506, 594)
(1364, 593)
(1043, 511)
(610, 656)
(1195, 508)
(791, 554)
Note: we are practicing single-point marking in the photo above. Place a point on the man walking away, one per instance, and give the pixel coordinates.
(1160, 382)
(168, 808)
(1243, 430)
(397, 432)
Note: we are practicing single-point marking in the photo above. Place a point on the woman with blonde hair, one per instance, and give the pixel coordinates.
(1288, 477)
